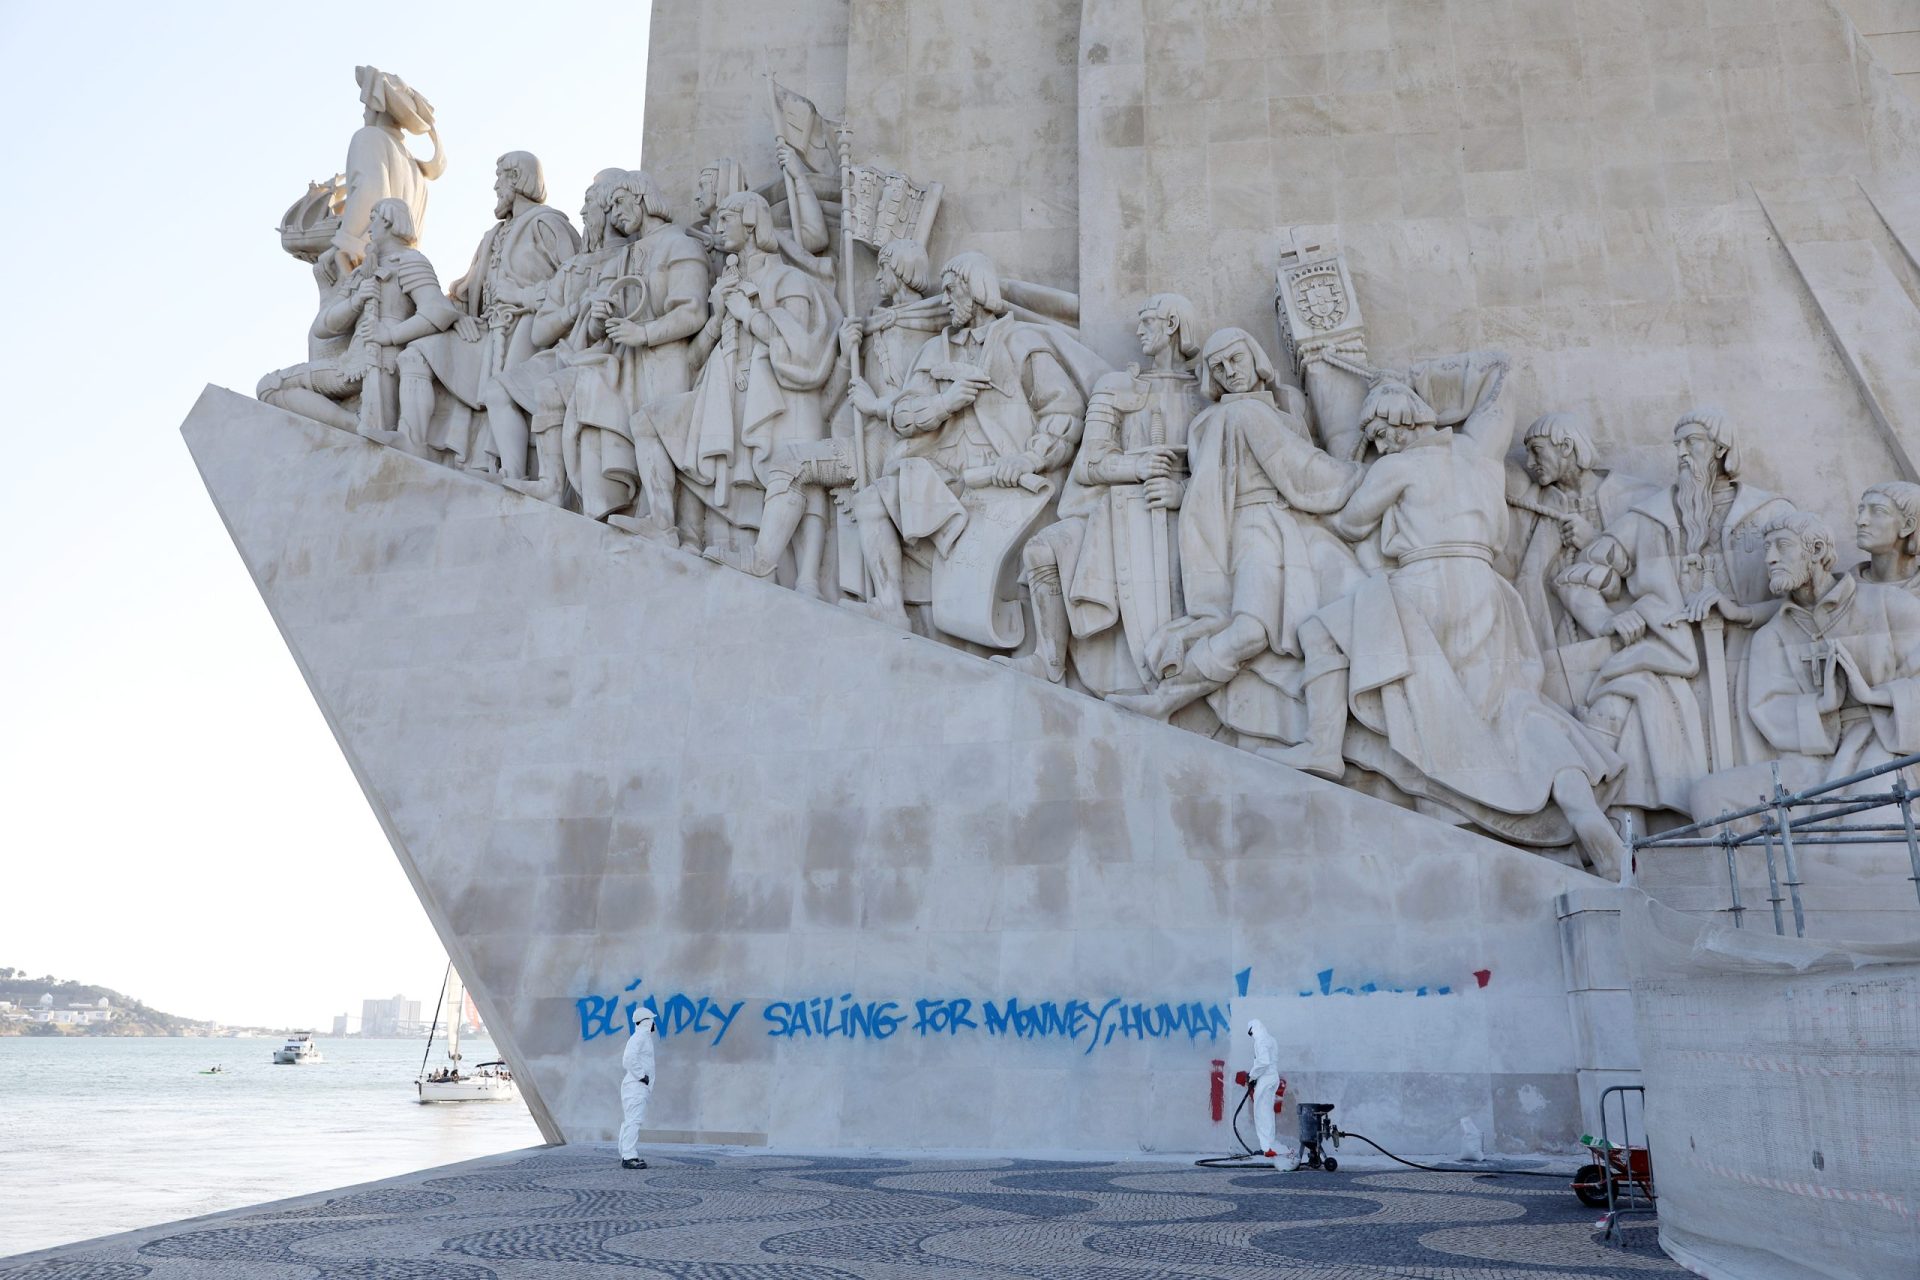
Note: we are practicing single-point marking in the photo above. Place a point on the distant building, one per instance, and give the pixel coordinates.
(398, 1016)
(339, 1025)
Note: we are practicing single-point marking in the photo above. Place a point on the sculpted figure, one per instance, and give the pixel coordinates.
(320, 388)
(540, 384)
(1435, 658)
(1560, 502)
(1835, 674)
(1254, 561)
(805, 245)
(800, 472)
(990, 413)
(1111, 557)
(1679, 561)
(1887, 527)
(379, 166)
(637, 346)
(389, 300)
(497, 297)
(765, 353)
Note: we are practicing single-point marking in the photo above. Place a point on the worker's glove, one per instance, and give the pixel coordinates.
(647, 1080)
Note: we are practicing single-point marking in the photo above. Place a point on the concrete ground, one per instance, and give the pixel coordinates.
(722, 1214)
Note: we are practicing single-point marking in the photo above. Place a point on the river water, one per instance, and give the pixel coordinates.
(104, 1135)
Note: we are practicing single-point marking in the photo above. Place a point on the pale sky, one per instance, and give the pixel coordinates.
(178, 821)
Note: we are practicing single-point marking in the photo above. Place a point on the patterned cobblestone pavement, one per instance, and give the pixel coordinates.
(727, 1215)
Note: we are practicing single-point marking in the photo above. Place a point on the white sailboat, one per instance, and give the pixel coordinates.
(487, 1082)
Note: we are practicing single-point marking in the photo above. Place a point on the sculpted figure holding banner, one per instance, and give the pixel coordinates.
(1435, 659)
(1105, 577)
(991, 412)
(540, 384)
(498, 296)
(1254, 560)
(379, 166)
(642, 314)
(1835, 674)
(765, 353)
(1679, 560)
(798, 472)
(1887, 528)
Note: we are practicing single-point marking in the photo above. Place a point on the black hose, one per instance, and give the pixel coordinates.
(1434, 1168)
(1239, 1161)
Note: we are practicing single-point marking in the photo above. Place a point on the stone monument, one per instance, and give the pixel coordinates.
(1314, 684)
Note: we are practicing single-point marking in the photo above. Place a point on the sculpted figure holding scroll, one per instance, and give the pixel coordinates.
(989, 417)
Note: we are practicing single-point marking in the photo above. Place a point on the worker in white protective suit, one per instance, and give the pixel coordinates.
(636, 1087)
(1264, 1078)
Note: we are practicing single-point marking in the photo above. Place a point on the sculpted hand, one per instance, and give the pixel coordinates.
(1156, 464)
(626, 332)
(1700, 606)
(1164, 493)
(1577, 532)
(789, 162)
(964, 391)
(738, 306)
(1008, 470)
(366, 291)
(881, 318)
(469, 329)
(1628, 625)
(598, 312)
(851, 331)
(383, 335)
(1833, 689)
(864, 401)
(1862, 690)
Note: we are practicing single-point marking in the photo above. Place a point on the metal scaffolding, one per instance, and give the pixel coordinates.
(1778, 826)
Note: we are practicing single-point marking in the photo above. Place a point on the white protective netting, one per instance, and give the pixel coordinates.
(1783, 1098)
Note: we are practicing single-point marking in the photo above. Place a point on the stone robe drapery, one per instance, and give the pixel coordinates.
(754, 395)
(1250, 544)
(1879, 628)
(510, 271)
(612, 383)
(1536, 553)
(563, 312)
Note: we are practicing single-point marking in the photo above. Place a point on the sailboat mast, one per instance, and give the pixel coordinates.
(454, 1011)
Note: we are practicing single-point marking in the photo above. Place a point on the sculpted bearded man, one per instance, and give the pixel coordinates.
(1255, 561)
(992, 402)
(765, 352)
(498, 297)
(1835, 674)
(1105, 577)
(1674, 558)
(1435, 659)
(646, 307)
(540, 384)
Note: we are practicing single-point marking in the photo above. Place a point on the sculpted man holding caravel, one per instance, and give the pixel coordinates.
(1349, 570)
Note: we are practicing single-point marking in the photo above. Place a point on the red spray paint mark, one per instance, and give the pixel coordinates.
(1483, 976)
(1217, 1090)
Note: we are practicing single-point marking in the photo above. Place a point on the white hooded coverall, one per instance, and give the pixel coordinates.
(637, 1084)
(1264, 1075)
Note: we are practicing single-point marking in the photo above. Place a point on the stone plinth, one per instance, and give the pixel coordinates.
(616, 772)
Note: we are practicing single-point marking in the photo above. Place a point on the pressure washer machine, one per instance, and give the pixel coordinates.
(1317, 1133)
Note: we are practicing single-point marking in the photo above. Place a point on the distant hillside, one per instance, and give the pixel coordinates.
(129, 1017)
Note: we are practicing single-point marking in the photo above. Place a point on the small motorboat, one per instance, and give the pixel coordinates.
(299, 1050)
(487, 1082)
(214, 1071)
